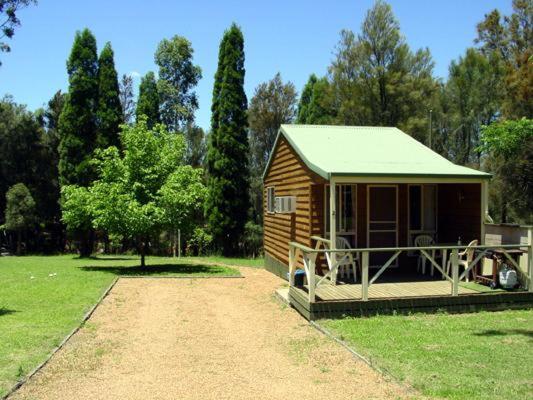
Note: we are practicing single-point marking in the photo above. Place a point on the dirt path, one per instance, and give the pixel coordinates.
(203, 339)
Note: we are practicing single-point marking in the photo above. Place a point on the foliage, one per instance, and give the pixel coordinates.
(177, 78)
(21, 149)
(77, 124)
(511, 39)
(305, 99)
(109, 109)
(9, 19)
(20, 213)
(253, 239)
(510, 148)
(142, 191)
(148, 102)
(473, 90)
(196, 146)
(378, 80)
(200, 242)
(227, 157)
(127, 98)
(462, 356)
(273, 104)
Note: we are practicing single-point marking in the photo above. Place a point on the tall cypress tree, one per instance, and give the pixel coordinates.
(305, 100)
(109, 110)
(148, 103)
(228, 200)
(77, 123)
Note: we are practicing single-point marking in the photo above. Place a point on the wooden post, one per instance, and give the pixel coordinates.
(455, 272)
(312, 278)
(333, 227)
(364, 277)
(291, 265)
(530, 260)
(179, 243)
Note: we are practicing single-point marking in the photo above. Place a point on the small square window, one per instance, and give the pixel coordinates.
(271, 206)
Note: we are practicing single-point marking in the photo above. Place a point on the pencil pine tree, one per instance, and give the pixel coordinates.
(148, 103)
(77, 123)
(227, 157)
(109, 110)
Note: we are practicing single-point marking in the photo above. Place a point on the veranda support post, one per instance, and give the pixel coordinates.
(530, 259)
(333, 225)
(364, 277)
(455, 272)
(292, 263)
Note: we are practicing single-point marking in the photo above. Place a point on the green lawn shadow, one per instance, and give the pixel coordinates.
(159, 269)
(505, 332)
(6, 311)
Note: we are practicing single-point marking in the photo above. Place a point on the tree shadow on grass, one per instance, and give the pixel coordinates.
(505, 332)
(159, 270)
(6, 311)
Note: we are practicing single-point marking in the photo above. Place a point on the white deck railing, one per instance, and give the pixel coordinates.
(334, 257)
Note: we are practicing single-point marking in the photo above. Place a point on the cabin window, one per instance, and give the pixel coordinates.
(423, 208)
(271, 206)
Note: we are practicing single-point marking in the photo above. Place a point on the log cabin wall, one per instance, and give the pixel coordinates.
(290, 177)
(459, 212)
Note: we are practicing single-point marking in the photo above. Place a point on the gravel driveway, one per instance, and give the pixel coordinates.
(203, 339)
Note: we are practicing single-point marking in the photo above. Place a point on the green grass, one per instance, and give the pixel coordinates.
(43, 298)
(459, 356)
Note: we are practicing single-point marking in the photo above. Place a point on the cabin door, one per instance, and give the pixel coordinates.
(382, 226)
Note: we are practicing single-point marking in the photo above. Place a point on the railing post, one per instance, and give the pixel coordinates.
(530, 267)
(292, 262)
(312, 278)
(455, 272)
(364, 278)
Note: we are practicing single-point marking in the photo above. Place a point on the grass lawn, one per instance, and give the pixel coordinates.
(454, 356)
(43, 298)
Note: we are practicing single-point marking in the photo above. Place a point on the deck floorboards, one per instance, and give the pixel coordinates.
(328, 292)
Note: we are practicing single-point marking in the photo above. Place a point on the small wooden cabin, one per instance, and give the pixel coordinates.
(380, 186)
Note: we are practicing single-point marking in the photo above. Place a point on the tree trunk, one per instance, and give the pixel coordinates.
(86, 243)
(19, 241)
(142, 250)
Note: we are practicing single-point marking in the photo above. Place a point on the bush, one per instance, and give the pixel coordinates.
(252, 239)
(199, 243)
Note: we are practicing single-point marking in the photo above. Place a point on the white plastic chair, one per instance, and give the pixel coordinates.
(468, 253)
(349, 263)
(424, 241)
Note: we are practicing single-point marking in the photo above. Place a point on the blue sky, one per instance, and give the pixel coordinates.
(295, 38)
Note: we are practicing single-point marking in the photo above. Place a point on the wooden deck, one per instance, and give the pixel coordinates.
(328, 292)
(401, 297)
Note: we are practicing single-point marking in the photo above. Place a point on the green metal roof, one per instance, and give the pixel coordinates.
(368, 151)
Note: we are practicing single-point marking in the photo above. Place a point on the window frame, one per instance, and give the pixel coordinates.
(271, 199)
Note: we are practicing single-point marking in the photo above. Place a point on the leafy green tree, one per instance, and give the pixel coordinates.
(196, 146)
(378, 80)
(148, 102)
(109, 110)
(141, 191)
(21, 148)
(305, 99)
(77, 124)
(273, 104)
(511, 39)
(9, 19)
(20, 213)
(177, 78)
(227, 157)
(127, 98)
(509, 145)
(474, 92)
